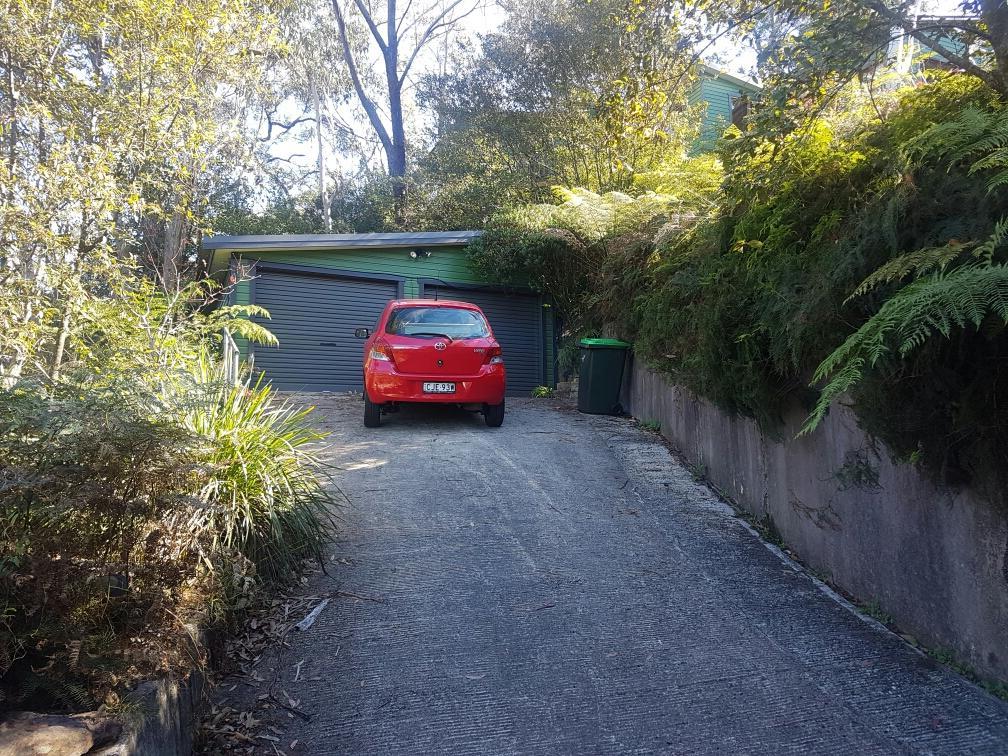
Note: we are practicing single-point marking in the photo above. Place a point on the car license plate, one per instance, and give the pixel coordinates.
(439, 388)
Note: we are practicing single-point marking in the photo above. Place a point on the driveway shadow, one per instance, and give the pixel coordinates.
(431, 416)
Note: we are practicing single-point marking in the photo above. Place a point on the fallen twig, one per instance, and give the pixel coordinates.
(348, 594)
(291, 709)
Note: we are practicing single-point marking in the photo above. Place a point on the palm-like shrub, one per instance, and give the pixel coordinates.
(262, 490)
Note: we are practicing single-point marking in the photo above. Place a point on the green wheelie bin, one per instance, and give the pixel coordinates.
(601, 376)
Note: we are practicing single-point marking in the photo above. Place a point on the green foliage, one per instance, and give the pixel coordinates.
(137, 493)
(140, 493)
(936, 304)
(746, 306)
(90, 473)
(542, 392)
(879, 228)
(932, 303)
(589, 249)
(261, 492)
(570, 93)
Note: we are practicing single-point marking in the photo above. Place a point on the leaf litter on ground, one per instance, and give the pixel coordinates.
(240, 724)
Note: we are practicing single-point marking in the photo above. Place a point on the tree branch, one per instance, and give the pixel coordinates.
(369, 107)
(907, 24)
(371, 25)
(399, 29)
(438, 23)
(284, 127)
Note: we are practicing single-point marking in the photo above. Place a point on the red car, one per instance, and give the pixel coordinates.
(427, 350)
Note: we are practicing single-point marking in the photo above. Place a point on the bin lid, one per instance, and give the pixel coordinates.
(604, 344)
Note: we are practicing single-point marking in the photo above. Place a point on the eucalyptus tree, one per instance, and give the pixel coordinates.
(301, 95)
(399, 34)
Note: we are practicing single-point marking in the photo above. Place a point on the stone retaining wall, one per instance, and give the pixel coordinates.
(934, 559)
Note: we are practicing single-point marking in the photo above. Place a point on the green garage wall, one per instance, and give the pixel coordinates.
(448, 264)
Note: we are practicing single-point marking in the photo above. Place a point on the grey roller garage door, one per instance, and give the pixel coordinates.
(516, 320)
(314, 317)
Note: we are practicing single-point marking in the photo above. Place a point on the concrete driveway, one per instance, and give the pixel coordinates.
(563, 585)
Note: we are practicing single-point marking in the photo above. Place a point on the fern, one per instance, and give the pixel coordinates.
(977, 135)
(918, 262)
(937, 303)
(943, 300)
(994, 242)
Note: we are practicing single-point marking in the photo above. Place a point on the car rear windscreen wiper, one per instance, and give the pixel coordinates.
(427, 333)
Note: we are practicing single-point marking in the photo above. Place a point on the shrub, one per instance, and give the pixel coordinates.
(90, 476)
(139, 500)
(261, 491)
(591, 254)
(901, 196)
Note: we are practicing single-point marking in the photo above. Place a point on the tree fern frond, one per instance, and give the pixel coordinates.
(244, 311)
(995, 140)
(938, 303)
(254, 332)
(997, 239)
(994, 158)
(917, 262)
(998, 181)
(950, 137)
(943, 302)
(973, 133)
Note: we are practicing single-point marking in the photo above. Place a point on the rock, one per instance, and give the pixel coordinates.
(26, 733)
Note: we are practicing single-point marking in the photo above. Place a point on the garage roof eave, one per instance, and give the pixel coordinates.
(218, 249)
(284, 242)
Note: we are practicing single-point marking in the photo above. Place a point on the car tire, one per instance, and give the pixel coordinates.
(494, 414)
(372, 412)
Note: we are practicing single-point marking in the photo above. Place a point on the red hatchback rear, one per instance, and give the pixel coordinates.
(432, 351)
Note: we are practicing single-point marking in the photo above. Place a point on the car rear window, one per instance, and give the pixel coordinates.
(431, 322)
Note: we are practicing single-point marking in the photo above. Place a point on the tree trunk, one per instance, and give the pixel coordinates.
(325, 199)
(61, 339)
(397, 151)
(170, 252)
(397, 176)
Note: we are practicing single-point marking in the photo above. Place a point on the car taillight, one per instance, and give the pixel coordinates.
(380, 351)
(495, 356)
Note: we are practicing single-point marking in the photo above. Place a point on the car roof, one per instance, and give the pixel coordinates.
(433, 303)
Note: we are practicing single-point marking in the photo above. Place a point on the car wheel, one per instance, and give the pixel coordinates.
(494, 414)
(372, 412)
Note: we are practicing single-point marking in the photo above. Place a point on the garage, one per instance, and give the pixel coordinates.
(319, 288)
(516, 320)
(313, 317)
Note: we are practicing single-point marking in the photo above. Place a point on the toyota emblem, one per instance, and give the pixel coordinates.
(440, 346)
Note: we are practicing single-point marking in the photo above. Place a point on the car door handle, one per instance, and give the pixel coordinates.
(328, 343)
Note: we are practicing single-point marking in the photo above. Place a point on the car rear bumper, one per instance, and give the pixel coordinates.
(384, 384)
